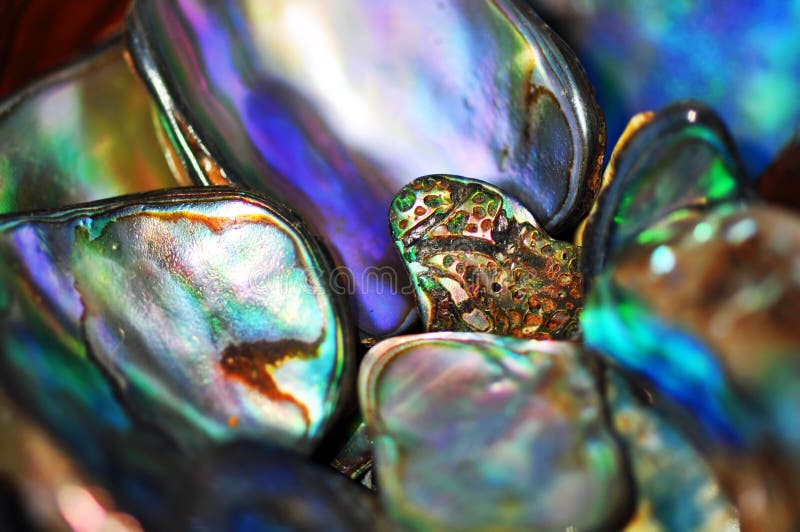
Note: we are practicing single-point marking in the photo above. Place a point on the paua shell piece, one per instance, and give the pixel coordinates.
(676, 488)
(680, 157)
(243, 486)
(334, 106)
(203, 313)
(643, 55)
(355, 459)
(477, 431)
(705, 311)
(83, 133)
(479, 261)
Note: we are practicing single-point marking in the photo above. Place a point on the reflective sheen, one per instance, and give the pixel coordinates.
(81, 134)
(742, 57)
(705, 311)
(676, 488)
(334, 106)
(355, 460)
(245, 487)
(680, 157)
(479, 261)
(477, 431)
(204, 314)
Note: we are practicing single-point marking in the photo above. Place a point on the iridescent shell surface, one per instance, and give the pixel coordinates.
(677, 158)
(203, 313)
(676, 488)
(83, 133)
(476, 431)
(249, 487)
(334, 106)
(706, 310)
(742, 57)
(480, 262)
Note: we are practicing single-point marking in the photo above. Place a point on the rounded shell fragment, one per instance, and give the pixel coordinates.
(474, 431)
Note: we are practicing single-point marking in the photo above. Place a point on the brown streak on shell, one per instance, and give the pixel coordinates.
(252, 363)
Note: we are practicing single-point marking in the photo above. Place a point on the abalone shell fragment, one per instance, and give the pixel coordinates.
(242, 486)
(677, 158)
(334, 106)
(84, 133)
(206, 312)
(704, 310)
(676, 488)
(355, 460)
(480, 262)
(476, 431)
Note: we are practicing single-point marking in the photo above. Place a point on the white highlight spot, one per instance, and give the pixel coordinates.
(741, 231)
(703, 232)
(662, 260)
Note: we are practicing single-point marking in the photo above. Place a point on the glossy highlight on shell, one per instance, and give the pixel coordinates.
(476, 431)
(704, 310)
(333, 107)
(480, 262)
(680, 157)
(63, 142)
(203, 313)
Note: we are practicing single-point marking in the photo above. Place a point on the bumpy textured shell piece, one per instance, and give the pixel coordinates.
(479, 261)
(334, 106)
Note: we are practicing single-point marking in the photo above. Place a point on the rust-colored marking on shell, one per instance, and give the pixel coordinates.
(476, 267)
(252, 363)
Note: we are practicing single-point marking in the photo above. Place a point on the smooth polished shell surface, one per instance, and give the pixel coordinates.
(475, 431)
(676, 488)
(680, 157)
(705, 310)
(81, 134)
(204, 313)
(479, 261)
(335, 106)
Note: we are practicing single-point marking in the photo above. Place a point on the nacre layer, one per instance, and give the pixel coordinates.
(680, 157)
(704, 309)
(205, 314)
(476, 431)
(81, 134)
(333, 107)
(675, 486)
(480, 262)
